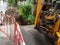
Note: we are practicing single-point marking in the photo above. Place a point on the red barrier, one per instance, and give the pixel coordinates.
(11, 31)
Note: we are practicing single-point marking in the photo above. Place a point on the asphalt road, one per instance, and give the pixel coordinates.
(33, 37)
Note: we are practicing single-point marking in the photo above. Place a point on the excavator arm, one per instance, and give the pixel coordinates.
(38, 11)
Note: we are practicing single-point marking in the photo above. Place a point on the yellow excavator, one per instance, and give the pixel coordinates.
(48, 20)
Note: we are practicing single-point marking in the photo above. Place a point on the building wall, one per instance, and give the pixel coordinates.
(3, 6)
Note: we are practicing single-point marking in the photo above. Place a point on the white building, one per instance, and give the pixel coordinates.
(3, 6)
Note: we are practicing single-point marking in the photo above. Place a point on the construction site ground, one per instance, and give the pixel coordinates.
(33, 37)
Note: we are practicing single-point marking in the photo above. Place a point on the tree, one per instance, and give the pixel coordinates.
(16, 1)
(22, 0)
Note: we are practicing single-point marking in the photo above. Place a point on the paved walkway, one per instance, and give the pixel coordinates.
(33, 37)
(30, 35)
(4, 40)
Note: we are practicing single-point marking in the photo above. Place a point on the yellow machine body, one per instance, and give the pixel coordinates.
(39, 8)
(55, 28)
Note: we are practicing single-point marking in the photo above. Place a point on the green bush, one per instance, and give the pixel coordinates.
(26, 13)
(13, 2)
(10, 2)
(26, 9)
(31, 19)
